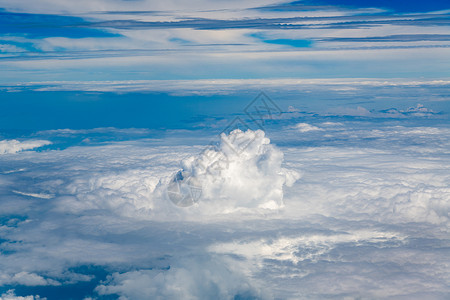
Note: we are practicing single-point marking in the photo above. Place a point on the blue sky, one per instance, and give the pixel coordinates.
(337, 187)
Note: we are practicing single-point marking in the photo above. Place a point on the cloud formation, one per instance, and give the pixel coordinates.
(14, 146)
(359, 208)
(243, 172)
(203, 277)
(10, 295)
(119, 37)
(346, 194)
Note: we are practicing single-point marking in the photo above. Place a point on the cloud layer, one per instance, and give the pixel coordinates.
(235, 39)
(14, 146)
(369, 216)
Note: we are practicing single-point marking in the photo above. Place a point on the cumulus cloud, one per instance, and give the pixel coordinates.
(192, 278)
(243, 171)
(14, 146)
(10, 295)
(27, 279)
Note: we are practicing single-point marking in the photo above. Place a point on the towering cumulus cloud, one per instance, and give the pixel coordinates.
(243, 172)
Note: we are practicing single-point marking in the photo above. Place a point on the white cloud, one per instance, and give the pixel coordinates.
(305, 127)
(347, 111)
(419, 110)
(196, 8)
(368, 218)
(253, 62)
(244, 171)
(14, 146)
(102, 130)
(199, 278)
(227, 86)
(10, 295)
(27, 279)
(30, 279)
(388, 185)
(43, 196)
(286, 248)
(231, 44)
(10, 48)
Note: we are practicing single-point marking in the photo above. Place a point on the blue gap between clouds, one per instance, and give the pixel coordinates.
(29, 110)
(289, 42)
(297, 43)
(43, 26)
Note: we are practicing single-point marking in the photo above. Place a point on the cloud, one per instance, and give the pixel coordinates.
(118, 37)
(14, 146)
(287, 249)
(396, 38)
(94, 217)
(419, 110)
(305, 127)
(10, 295)
(373, 197)
(68, 132)
(26, 279)
(228, 86)
(357, 112)
(415, 111)
(252, 63)
(43, 196)
(85, 6)
(403, 197)
(244, 171)
(192, 278)
(30, 279)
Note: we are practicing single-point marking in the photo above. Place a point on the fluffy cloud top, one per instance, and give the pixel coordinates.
(243, 171)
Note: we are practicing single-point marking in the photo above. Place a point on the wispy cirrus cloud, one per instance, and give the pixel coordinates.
(207, 31)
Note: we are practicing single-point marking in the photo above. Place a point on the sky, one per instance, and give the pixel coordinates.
(145, 40)
(224, 149)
